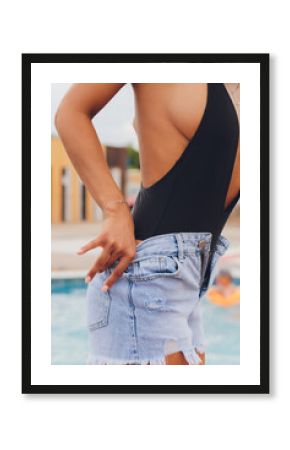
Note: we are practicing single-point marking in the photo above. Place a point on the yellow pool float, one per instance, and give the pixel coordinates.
(217, 298)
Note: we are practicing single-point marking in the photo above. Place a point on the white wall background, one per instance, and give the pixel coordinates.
(75, 422)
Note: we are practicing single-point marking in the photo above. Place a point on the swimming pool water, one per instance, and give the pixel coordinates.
(69, 334)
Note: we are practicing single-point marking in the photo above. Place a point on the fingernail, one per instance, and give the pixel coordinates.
(105, 288)
(79, 251)
(87, 279)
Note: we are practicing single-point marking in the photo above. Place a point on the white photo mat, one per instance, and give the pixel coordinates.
(43, 75)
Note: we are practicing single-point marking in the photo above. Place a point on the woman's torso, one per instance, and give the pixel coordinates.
(183, 130)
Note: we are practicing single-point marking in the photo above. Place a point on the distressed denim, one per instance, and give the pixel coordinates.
(154, 308)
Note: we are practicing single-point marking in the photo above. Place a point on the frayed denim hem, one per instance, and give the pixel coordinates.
(191, 357)
(200, 348)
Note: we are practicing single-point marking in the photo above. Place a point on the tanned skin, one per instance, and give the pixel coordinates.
(166, 118)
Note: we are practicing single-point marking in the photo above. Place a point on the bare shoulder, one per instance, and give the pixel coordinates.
(166, 117)
(177, 105)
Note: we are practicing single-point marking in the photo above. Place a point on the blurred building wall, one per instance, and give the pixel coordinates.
(70, 200)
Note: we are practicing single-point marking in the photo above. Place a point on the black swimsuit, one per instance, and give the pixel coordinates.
(190, 197)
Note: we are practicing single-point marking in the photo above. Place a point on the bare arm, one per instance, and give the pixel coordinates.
(73, 121)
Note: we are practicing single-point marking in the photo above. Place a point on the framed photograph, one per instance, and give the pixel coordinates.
(137, 247)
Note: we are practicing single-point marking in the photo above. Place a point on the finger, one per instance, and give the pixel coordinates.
(98, 265)
(114, 255)
(91, 245)
(103, 258)
(116, 273)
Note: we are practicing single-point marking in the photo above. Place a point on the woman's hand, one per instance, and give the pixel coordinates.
(118, 242)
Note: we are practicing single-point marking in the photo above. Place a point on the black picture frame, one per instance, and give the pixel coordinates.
(258, 58)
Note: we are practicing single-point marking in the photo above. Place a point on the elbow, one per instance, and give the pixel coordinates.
(66, 118)
(63, 117)
(59, 119)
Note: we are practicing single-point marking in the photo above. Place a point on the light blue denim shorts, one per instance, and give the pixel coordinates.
(154, 309)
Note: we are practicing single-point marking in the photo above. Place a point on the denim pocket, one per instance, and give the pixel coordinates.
(158, 266)
(98, 303)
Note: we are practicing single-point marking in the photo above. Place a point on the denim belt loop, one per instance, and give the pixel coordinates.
(180, 246)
